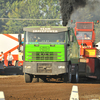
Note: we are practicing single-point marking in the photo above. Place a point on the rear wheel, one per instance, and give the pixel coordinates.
(28, 78)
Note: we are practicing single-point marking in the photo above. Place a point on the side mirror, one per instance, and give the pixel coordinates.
(71, 38)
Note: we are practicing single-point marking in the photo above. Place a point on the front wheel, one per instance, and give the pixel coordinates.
(28, 78)
(73, 77)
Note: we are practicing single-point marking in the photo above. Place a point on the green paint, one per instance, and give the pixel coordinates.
(34, 51)
(44, 53)
(73, 49)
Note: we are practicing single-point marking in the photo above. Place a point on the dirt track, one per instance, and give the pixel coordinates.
(15, 88)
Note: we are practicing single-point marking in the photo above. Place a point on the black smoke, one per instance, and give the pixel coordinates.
(68, 7)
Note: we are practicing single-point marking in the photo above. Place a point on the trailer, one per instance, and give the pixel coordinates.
(50, 52)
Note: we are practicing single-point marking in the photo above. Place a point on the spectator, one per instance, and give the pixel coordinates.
(2, 58)
(22, 41)
(10, 58)
(21, 47)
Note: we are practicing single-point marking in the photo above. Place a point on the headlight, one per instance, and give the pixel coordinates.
(61, 67)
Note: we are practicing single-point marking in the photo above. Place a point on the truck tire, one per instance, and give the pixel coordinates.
(28, 78)
(75, 78)
(35, 80)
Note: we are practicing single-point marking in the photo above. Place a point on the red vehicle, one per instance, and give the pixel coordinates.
(89, 64)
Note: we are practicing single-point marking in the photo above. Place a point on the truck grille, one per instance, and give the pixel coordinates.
(44, 55)
(44, 68)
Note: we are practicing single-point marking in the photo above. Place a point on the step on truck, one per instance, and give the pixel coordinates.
(50, 52)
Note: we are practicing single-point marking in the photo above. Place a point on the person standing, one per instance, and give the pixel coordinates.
(10, 58)
(2, 58)
(22, 41)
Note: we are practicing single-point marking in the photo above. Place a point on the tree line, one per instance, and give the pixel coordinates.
(41, 9)
(27, 9)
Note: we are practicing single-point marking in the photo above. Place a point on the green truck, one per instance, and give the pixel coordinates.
(50, 52)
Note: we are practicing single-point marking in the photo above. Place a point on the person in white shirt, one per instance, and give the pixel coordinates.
(10, 58)
(2, 58)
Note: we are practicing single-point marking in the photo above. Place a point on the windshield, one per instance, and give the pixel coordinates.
(84, 35)
(45, 37)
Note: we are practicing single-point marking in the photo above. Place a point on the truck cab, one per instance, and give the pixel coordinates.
(85, 35)
(48, 52)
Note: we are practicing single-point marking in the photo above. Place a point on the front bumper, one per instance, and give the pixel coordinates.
(45, 68)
